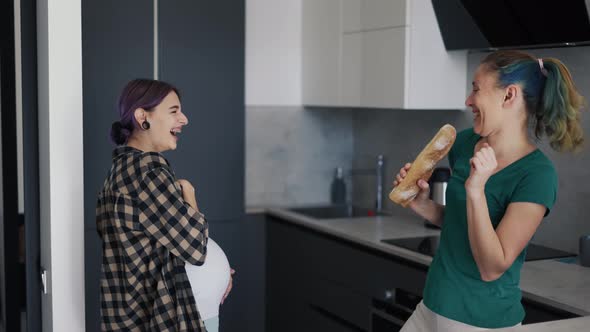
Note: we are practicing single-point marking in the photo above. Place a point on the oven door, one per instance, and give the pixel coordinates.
(392, 312)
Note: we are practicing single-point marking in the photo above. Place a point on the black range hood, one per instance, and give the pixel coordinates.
(494, 24)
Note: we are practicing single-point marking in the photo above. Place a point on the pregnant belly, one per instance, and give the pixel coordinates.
(209, 281)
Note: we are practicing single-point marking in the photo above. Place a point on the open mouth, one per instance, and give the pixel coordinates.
(475, 113)
(175, 132)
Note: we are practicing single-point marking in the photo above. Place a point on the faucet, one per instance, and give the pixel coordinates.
(378, 173)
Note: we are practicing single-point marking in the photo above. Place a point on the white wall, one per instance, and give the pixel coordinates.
(273, 52)
(59, 43)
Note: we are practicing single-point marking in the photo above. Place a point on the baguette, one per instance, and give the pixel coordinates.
(423, 166)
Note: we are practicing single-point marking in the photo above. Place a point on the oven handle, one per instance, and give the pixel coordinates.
(383, 315)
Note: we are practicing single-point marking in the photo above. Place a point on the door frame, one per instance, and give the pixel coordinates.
(30, 171)
(20, 156)
(9, 314)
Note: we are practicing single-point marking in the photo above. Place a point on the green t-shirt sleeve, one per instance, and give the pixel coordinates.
(537, 186)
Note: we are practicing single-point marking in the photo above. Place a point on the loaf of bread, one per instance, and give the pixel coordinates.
(423, 166)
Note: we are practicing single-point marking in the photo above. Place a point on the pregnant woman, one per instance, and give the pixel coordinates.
(149, 221)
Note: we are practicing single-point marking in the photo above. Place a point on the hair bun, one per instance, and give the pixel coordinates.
(119, 134)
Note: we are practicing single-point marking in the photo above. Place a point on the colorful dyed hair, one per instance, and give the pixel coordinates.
(139, 93)
(552, 101)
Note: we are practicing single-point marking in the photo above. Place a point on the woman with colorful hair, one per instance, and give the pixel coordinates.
(501, 188)
(151, 226)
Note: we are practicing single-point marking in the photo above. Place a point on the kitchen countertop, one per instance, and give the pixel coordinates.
(559, 285)
(564, 325)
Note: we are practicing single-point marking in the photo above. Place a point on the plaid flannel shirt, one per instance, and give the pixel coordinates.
(148, 232)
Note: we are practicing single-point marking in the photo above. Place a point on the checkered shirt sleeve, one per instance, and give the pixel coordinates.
(167, 218)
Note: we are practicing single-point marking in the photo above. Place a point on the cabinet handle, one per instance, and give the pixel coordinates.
(44, 281)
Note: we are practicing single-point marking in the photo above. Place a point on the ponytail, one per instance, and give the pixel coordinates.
(559, 109)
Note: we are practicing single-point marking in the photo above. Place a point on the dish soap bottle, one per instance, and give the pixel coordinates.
(338, 188)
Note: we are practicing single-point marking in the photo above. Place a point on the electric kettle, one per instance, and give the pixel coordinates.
(438, 186)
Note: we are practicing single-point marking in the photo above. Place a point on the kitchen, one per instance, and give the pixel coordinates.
(291, 91)
(274, 178)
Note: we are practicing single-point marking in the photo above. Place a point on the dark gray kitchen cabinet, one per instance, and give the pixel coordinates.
(117, 46)
(318, 282)
(200, 49)
(330, 282)
(242, 240)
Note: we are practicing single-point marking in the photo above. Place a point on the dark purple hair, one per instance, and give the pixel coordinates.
(139, 93)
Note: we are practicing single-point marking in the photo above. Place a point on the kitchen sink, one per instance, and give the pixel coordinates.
(335, 211)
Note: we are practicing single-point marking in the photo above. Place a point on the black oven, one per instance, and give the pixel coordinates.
(392, 311)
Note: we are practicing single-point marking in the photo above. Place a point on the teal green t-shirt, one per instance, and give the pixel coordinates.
(454, 288)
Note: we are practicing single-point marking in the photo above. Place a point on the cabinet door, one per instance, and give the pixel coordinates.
(351, 15)
(244, 308)
(321, 38)
(330, 281)
(117, 46)
(379, 14)
(286, 278)
(352, 57)
(338, 303)
(384, 68)
(365, 15)
(201, 51)
(323, 320)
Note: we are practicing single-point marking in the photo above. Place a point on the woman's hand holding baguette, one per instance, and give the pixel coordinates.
(422, 204)
(423, 196)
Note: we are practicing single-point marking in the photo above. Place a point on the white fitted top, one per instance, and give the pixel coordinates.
(209, 281)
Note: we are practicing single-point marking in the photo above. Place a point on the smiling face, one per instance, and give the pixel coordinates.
(486, 102)
(166, 122)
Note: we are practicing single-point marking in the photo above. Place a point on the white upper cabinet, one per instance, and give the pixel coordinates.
(378, 54)
(380, 14)
(364, 15)
(351, 15)
(351, 69)
(321, 52)
(383, 68)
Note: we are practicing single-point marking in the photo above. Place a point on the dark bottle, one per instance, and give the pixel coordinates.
(338, 188)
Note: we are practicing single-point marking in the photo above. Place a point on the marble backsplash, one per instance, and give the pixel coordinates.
(291, 153)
